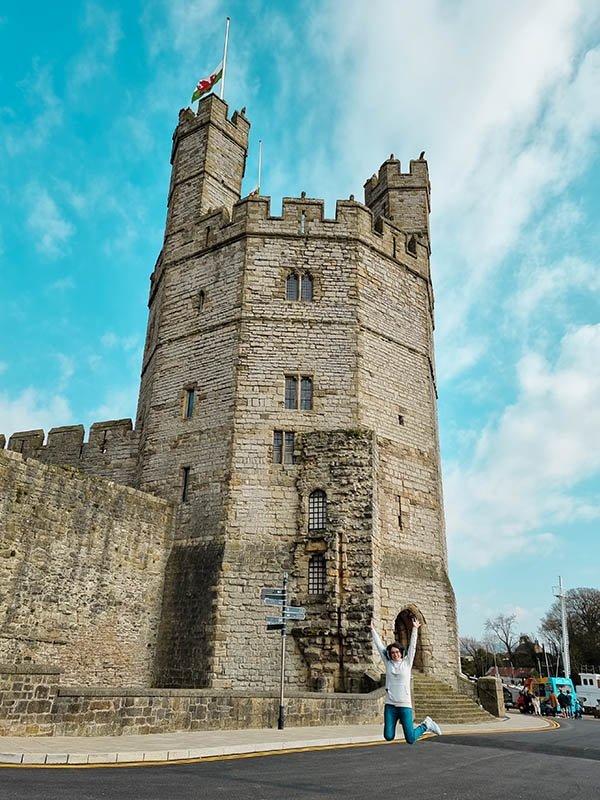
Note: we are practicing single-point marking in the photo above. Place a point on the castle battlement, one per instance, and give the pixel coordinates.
(390, 176)
(213, 111)
(110, 452)
(300, 217)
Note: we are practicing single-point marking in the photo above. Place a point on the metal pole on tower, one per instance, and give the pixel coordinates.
(259, 162)
(225, 58)
(281, 719)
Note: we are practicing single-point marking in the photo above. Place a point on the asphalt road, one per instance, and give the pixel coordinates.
(551, 764)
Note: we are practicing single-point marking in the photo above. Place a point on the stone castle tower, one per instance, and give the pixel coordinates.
(287, 411)
(288, 403)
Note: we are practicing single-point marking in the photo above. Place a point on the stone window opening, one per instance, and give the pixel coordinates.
(207, 236)
(317, 510)
(306, 288)
(292, 286)
(394, 247)
(316, 574)
(306, 394)
(302, 222)
(283, 447)
(400, 514)
(291, 392)
(201, 299)
(291, 400)
(288, 447)
(189, 401)
(185, 483)
(411, 245)
(299, 287)
(400, 419)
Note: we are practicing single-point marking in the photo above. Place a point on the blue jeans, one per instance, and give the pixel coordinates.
(391, 715)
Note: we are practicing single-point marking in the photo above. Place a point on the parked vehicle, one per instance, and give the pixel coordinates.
(543, 687)
(588, 691)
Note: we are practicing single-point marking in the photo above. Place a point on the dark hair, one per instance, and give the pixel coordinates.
(398, 646)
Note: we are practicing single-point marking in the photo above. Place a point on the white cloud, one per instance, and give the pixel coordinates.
(118, 404)
(66, 366)
(111, 340)
(550, 286)
(45, 221)
(95, 59)
(504, 99)
(22, 136)
(524, 474)
(62, 284)
(33, 409)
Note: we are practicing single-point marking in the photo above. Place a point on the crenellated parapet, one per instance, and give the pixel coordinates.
(402, 198)
(300, 218)
(111, 451)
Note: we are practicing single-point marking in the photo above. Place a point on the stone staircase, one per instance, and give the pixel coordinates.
(442, 703)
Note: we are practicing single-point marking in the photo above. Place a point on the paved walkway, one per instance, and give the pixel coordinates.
(164, 747)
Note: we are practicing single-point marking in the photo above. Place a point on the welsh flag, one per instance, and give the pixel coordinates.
(206, 84)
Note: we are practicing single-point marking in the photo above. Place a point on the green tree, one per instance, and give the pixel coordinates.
(583, 624)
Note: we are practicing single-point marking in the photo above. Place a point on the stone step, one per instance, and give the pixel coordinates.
(443, 703)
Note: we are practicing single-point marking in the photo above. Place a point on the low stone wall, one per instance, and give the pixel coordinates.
(33, 704)
(27, 696)
(491, 696)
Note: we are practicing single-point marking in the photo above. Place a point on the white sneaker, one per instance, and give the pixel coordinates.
(432, 726)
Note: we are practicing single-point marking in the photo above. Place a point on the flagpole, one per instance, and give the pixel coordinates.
(225, 58)
(259, 162)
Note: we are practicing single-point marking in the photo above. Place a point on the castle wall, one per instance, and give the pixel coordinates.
(398, 401)
(111, 452)
(82, 562)
(194, 347)
(279, 337)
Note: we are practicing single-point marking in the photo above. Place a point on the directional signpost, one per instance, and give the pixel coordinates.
(277, 596)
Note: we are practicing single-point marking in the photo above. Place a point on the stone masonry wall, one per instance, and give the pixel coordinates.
(33, 704)
(82, 562)
(279, 337)
(397, 396)
(111, 452)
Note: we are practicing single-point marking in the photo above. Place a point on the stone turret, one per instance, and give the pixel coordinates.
(403, 199)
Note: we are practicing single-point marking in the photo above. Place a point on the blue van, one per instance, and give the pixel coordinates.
(544, 686)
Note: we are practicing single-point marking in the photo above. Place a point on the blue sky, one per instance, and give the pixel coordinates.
(505, 99)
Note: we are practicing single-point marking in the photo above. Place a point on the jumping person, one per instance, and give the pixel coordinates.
(398, 664)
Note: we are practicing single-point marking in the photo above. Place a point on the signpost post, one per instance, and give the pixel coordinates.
(277, 596)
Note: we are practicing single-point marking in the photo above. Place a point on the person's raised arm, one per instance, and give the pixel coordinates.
(378, 642)
(412, 647)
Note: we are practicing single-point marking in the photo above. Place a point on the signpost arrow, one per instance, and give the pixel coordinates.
(273, 601)
(274, 620)
(294, 612)
(275, 591)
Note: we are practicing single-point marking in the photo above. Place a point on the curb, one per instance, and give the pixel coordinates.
(156, 757)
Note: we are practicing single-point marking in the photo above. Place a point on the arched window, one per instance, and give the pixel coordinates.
(306, 291)
(411, 245)
(316, 574)
(291, 287)
(317, 510)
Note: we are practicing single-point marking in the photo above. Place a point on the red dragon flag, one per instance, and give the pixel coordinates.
(206, 84)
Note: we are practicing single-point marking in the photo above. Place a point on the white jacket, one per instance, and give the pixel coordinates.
(397, 674)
